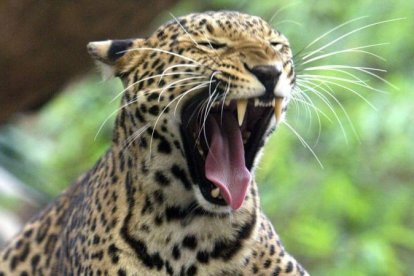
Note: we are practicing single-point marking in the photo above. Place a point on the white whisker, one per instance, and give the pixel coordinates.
(303, 142)
(133, 137)
(226, 91)
(366, 70)
(165, 52)
(170, 103)
(306, 100)
(348, 34)
(179, 81)
(152, 77)
(355, 77)
(306, 107)
(324, 100)
(351, 50)
(288, 21)
(113, 113)
(194, 88)
(182, 27)
(327, 81)
(336, 66)
(211, 80)
(278, 11)
(346, 80)
(314, 108)
(203, 128)
(310, 103)
(333, 30)
(176, 66)
(331, 95)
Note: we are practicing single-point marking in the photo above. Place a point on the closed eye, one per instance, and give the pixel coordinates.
(275, 44)
(212, 45)
(278, 46)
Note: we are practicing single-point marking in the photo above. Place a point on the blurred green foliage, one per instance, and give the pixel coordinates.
(355, 215)
(48, 150)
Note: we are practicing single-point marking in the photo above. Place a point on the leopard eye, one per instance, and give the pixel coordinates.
(276, 44)
(213, 45)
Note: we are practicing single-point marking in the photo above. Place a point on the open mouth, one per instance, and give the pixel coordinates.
(221, 144)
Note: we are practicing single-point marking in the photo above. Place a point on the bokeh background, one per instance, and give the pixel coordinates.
(353, 215)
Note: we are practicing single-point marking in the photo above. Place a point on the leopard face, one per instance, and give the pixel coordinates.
(213, 86)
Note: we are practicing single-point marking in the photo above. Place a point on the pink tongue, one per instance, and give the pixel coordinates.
(225, 165)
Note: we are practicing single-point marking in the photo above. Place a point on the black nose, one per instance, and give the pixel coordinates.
(268, 75)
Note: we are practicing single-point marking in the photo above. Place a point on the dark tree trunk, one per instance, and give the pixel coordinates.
(43, 43)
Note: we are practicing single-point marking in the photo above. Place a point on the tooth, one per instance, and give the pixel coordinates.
(278, 109)
(241, 110)
(215, 192)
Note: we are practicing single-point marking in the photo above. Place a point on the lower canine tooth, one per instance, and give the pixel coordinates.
(215, 192)
(278, 109)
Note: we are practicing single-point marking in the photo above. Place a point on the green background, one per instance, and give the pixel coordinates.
(355, 215)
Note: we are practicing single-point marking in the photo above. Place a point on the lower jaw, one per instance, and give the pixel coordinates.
(207, 188)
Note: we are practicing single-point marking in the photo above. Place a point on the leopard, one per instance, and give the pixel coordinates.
(175, 193)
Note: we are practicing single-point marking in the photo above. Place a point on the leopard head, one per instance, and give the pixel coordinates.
(215, 83)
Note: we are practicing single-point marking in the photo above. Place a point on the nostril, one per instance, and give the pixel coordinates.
(268, 75)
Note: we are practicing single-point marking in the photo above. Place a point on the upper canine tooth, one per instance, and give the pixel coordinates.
(278, 109)
(241, 110)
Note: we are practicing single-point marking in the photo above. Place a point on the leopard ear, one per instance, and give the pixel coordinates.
(111, 55)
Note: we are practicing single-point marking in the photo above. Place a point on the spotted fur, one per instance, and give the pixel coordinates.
(138, 211)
